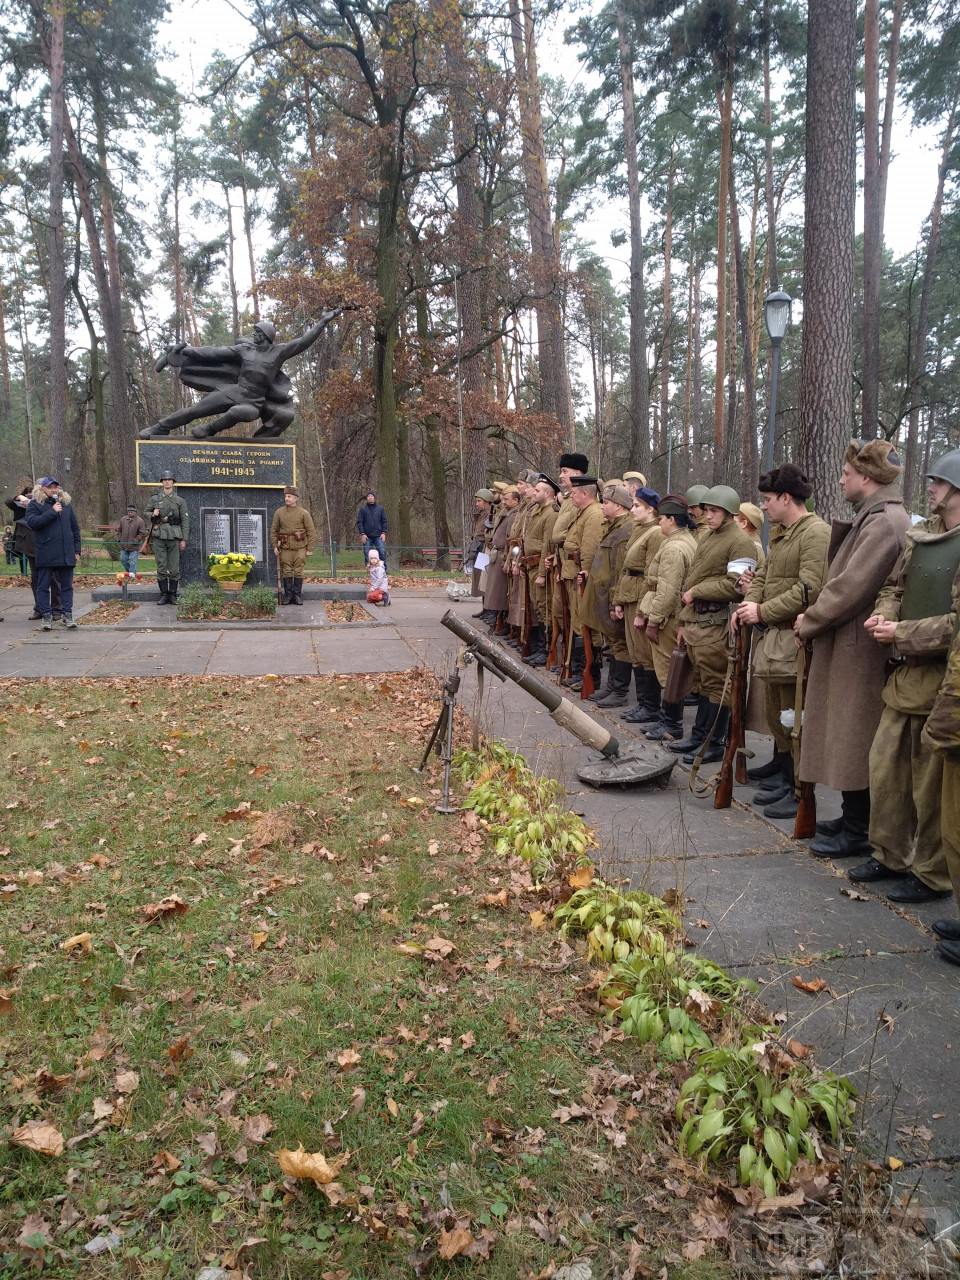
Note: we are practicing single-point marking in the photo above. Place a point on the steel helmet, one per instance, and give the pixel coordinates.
(695, 494)
(947, 468)
(721, 495)
(167, 475)
(267, 328)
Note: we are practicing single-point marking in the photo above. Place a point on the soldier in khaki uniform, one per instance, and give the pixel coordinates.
(942, 734)
(659, 608)
(495, 599)
(169, 522)
(695, 496)
(579, 548)
(570, 465)
(914, 612)
(709, 590)
(517, 614)
(598, 607)
(629, 591)
(536, 540)
(293, 534)
(786, 584)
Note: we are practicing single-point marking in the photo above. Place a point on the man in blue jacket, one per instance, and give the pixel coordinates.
(372, 527)
(56, 537)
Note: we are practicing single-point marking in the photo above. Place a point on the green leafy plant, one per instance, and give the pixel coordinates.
(756, 1103)
(197, 601)
(556, 835)
(668, 998)
(615, 923)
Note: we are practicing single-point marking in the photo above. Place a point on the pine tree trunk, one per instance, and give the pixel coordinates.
(248, 233)
(826, 370)
(666, 349)
(56, 258)
(4, 355)
(748, 450)
(725, 104)
(921, 331)
(889, 103)
(684, 456)
(773, 271)
(99, 412)
(231, 266)
(544, 256)
(870, 390)
(639, 393)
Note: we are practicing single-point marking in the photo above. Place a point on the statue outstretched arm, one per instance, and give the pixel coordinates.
(296, 345)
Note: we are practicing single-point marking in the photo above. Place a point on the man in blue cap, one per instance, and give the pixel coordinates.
(56, 536)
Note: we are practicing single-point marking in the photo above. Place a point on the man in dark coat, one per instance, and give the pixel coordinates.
(372, 527)
(56, 536)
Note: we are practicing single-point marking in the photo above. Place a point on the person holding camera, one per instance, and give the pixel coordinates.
(56, 536)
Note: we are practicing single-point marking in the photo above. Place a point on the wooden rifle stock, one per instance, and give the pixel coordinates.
(552, 650)
(805, 823)
(527, 614)
(733, 752)
(567, 628)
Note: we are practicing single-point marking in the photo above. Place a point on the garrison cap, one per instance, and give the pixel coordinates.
(750, 511)
(635, 475)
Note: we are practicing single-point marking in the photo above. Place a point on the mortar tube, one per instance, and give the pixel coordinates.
(562, 711)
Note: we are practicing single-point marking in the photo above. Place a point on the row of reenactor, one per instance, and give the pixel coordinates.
(860, 614)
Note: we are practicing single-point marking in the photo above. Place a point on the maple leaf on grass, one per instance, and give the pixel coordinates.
(312, 1166)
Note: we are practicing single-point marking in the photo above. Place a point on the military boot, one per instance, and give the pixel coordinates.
(284, 592)
(598, 678)
(619, 685)
(633, 715)
(162, 583)
(648, 700)
(851, 841)
(537, 657)
(698, 732)
(778, 784)
(785, 806)
(297, 591)
(763, 771)
(668, 727)
(574, 681)
(173, 586)
(717, 723)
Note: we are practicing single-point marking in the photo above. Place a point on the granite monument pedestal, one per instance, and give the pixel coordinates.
(231, 488)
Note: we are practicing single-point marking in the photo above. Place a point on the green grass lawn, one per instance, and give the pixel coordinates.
(281, 944)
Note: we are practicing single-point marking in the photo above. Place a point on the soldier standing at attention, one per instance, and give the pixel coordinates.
(169, 531)
(942, 734)
(569, 464)
(783, 587)
(914, 613)
(579, 548)
(708, 591)
(536, 540)
(598, 604)
(629, 591)
(659, 607)
(694, 498)
(292, 533)
(846, 675)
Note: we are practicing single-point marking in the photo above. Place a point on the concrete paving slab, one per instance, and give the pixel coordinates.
(157, 655)
(355, 652)
(255, 653)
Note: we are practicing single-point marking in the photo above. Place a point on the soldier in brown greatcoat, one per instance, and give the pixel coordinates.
(293, 534)
(847, 669)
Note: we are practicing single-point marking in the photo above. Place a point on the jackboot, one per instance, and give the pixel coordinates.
(648, 700)
(574, 681)
(537, 657)
(785, 805)
(297, 591)
(668, 727)
(173, 586)
(777, 784)
(851, 841)
(633, 716)
(162, 583)
(600, 693)
(717, 723)
(286, 591)
(763, 771)
(619, 685)
(699, 731)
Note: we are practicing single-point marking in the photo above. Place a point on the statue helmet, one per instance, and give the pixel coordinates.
(267, 328)
(722, 496)
(167, 475)
(946, 467)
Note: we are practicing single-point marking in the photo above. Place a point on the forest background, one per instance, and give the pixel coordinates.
(453, 173)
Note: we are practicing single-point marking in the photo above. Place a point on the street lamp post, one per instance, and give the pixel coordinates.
(776, 317)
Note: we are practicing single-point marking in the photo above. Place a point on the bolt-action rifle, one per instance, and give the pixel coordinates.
(733, 755)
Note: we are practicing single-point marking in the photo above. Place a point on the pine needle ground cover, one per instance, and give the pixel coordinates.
(264, 1013)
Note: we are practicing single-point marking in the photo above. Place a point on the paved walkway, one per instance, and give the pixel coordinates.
(755, 899)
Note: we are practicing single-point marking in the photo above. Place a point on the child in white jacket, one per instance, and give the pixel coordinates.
(379, 592)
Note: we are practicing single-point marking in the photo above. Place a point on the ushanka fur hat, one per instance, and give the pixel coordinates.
(786, 479)
(876, 459)
(575, 462)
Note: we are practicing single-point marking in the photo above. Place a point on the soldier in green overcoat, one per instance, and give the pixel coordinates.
(169, 530)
